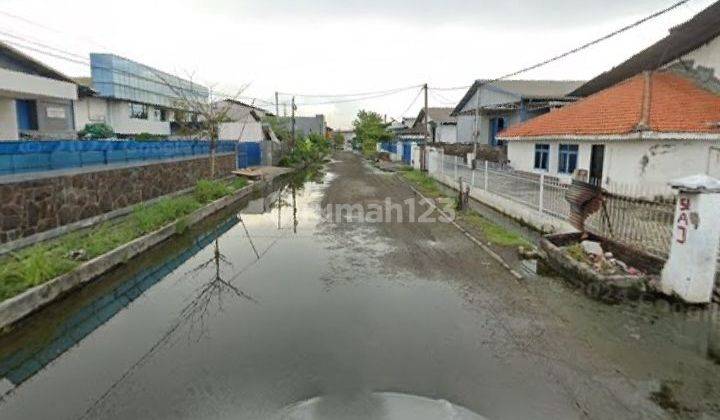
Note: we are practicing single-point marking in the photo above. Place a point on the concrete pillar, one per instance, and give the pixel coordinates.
(8, 120)
(690, 271)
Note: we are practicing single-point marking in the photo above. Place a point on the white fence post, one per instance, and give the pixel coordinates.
(486, 175)
(472, 178)
(541, 200)
(456, 168)
(442, 162)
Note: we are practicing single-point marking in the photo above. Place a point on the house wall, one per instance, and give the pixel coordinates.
(18, 85)
(521, 155)
(708, 56)
(248, 131)
(647, 163)
(446, 133)
(90, 110)
(656, 162)
(119, 119)
(8, 120)
(466, 126)
(55, 119)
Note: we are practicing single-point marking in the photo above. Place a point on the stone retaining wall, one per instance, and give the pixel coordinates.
(37, 203)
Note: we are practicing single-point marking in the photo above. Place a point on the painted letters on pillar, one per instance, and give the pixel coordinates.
(683, 220)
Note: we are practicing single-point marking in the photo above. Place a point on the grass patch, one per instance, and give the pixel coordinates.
(39, 263)
(495, 233)
(492, 232)
(427, 185)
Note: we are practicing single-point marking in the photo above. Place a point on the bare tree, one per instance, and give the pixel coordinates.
(203, 115)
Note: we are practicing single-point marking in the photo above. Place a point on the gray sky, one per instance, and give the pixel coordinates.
(336, 47)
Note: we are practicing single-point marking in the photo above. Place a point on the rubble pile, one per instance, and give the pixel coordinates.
(592, 254)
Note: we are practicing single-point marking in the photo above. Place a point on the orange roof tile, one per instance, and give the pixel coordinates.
(676, 104)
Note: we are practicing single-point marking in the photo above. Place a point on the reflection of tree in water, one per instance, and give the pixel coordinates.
(195, 313)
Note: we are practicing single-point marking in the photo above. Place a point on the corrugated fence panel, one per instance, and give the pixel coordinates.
(248, 154)
(35, 156)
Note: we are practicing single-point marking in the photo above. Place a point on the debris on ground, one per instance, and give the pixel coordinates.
(529, 253)
(77, 255)
(592, 254)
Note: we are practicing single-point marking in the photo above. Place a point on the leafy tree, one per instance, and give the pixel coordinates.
(96, 131)
(339, 140)
(369, 130)
(278, 126)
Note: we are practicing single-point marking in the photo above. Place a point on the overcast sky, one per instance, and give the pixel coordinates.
(338, 47)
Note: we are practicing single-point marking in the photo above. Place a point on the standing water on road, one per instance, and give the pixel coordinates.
(272, 310)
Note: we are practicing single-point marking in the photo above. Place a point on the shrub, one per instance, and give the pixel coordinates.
(96, 131)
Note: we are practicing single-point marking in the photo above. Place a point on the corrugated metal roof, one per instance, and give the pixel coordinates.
(683, 39)
(525, 89)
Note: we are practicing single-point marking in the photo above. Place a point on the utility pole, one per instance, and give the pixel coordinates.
(476, 134)
(277, 105)
(292, 111)
(426, 120)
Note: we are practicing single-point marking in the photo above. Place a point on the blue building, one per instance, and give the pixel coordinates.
(134, 98)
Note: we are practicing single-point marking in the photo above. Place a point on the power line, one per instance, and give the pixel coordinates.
(338, 95)
(412, 103)
(340, 101)
(591, 43)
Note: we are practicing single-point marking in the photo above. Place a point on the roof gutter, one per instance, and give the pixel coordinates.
(640, 135)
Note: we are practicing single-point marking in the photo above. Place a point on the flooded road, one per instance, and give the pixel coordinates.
(272, 311)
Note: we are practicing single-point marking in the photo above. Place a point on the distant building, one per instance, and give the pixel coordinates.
(306, 125)
(443, 126)
(506, 103)
(644, 131)
(134, 98)
(36, 101)
(246, 122)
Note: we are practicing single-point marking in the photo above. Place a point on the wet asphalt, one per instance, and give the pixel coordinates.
(281, 310)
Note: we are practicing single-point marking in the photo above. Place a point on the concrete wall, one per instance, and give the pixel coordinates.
(645, 163)
(90, 110)
(119, 119)
(707, 56)
(55, 119)
(8, 119)
(446, 133)
(28, 86)
(242, 131)
(33, 204)
(466, 126)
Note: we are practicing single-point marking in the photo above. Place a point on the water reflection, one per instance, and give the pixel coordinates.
(20, 365)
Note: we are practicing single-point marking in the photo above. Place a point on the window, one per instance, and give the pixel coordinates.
(542, 156)
(568, 158)
(139, 111)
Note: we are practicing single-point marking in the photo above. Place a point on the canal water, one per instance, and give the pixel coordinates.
(267, 311)
(238, 318)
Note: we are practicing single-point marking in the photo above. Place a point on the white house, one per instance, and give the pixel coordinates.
(442, 125)
(133, 98)
(246, 122)
(35, 100)
(645, 131)
(505, 103)
(623, 132)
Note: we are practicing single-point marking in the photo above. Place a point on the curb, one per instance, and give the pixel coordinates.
(31, 300)
(494, 255)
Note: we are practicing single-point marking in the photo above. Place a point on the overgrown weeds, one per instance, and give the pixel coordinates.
(39, 263)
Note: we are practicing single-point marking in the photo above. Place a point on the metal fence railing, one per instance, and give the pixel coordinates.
(37, 156)
(638, 222)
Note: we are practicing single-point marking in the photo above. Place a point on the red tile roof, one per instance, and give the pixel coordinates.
(676, 104)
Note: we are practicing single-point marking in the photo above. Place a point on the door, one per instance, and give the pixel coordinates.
(714, 163)
(597, 160)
